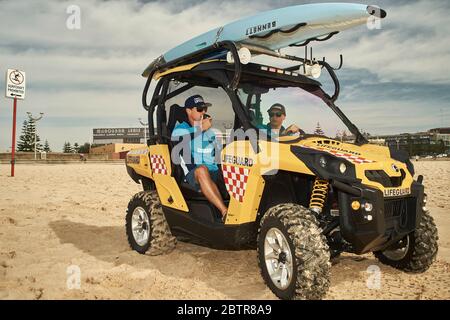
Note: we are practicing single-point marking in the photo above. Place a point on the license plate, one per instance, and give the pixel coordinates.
(396, 192)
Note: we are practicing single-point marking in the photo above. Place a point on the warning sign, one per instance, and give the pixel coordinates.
(15, 84)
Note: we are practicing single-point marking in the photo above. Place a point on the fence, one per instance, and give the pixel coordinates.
(58, 157)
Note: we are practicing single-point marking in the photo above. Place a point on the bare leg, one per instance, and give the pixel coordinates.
(209, 188)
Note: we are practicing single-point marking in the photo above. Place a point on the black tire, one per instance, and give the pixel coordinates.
(421, 251)
(160, 239)
(310, 253)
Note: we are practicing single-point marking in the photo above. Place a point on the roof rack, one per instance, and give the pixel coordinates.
(159, 64)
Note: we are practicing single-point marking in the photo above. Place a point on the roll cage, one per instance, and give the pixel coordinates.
(218, 73)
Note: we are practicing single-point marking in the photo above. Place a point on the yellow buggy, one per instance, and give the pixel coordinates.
(299, 200)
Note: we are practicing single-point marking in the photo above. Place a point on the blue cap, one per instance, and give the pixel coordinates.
(196, 101)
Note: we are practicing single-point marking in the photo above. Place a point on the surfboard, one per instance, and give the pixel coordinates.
(280, 28)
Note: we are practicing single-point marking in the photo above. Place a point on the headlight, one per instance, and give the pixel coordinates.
(342, 168)
(368, 206)
(323, 162)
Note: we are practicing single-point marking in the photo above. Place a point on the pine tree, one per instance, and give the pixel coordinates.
(319, 130)
(47, 146)
(338, 135)
(26, 139)
(76, 148)
(344, 136)
(67, 147)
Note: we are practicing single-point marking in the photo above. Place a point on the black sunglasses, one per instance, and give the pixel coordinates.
(273, 114)
(201, 109)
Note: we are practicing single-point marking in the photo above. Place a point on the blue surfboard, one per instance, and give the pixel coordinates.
(280, 28)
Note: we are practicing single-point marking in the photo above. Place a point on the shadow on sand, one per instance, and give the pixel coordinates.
(104, 243)
(229, 272)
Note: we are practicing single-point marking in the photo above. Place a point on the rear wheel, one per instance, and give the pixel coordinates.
(146, 226)
(417, 251)
(293, 254)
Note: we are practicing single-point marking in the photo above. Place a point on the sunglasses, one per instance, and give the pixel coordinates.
(201, 109)
(275, 114)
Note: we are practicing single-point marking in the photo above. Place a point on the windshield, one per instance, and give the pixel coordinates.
(302, 110)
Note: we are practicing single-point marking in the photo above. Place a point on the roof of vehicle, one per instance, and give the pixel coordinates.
(265, 75)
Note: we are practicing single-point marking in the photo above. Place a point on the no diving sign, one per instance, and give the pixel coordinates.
(15, 84)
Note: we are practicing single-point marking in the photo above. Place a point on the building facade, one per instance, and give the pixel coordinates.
(434, 141)
(102, 136)
(442, 134)
(115, 150)
(404, 141)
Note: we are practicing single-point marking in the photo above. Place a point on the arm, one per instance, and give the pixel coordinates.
(293, 129)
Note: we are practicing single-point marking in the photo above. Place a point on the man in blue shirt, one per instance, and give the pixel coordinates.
(199, 166)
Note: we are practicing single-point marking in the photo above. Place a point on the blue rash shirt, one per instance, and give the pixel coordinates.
(202, 147)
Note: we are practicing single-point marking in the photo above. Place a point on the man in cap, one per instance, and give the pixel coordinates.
(200, 168)
(277, 115)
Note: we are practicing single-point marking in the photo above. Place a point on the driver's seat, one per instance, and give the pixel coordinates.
(176, 114)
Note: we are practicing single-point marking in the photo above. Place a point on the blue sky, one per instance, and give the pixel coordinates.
(396, 79)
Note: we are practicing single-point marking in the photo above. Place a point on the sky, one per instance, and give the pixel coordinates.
(395, 79)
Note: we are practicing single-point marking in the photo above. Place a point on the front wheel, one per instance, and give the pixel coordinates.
(293, 255)
(146, 226)
(417, 251)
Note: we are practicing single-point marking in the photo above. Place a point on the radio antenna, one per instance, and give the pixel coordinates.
(306, 59)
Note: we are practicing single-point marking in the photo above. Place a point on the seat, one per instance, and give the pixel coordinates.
(176, 114)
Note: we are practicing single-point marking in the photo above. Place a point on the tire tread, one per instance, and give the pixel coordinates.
(161, 240)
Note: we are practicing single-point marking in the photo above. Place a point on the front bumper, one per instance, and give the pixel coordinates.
(390, 218)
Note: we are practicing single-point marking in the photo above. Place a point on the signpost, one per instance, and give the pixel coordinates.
(15, 89)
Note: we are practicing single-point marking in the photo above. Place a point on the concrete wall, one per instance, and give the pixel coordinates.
(52, 156)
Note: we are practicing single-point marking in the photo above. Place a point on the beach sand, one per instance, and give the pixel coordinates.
(57, 219)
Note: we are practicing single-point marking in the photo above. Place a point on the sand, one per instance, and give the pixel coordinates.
(57, 219)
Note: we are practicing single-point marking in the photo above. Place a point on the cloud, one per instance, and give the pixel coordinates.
(91, 77)
(94, 72)
(409, 47)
